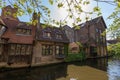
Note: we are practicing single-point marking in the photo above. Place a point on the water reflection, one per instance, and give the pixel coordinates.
(58, 71)
(98, 63)
(114, 70)
(42, 73)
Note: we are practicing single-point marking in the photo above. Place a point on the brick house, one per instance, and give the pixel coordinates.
(90, 36)
(16, 38)
(23, 43)
(73, 46)
(50, 45)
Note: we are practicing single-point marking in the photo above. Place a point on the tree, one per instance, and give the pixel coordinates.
(30, 6)
(115, 25)
(73, 7)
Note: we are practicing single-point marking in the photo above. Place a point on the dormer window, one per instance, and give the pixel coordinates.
(2, 29)
(23, 31)
(47, 34)
(97, 30)
(58, 36)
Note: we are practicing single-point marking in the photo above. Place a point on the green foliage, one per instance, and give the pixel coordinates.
(96, 9)
(51, 2)
(114, 29)
(114, 49)
(74, 7)
(75, 57)
(60, 5)
(119, 4)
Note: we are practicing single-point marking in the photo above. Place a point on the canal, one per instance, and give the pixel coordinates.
(92, 69)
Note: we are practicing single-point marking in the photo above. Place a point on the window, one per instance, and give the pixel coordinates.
(47, 34)
(2, 29)
(59, 36)
(18, 49)
(28, 50)
(12, 49)
(1, 48)
(47, 50)
(23, 31)
(96, 30)
(59, 50)
(23, 49)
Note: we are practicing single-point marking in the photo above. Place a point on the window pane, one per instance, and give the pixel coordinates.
(23, 49)
(47, 34)
(1, 49)
(28, 50)
(59, 50)
(47, 50)
(12, 49)
(18, 47)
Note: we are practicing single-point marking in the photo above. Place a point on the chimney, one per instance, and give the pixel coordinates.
(38, 24)
(9, 12)
(34, 17)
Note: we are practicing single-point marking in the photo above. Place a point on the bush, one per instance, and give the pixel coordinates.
(75, 57)
(114, 49)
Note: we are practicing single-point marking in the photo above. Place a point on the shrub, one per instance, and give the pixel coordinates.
(75, 57)
(114, 49)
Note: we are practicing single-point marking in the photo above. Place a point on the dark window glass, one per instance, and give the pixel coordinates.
(47, 50)
(59, 36)
(23, 31)
(47, 34)
(59, 50)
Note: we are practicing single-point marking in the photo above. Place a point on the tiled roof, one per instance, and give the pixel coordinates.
(53, 31)
(92, 21)
(10, 33)
(1, 21)
(113, 41)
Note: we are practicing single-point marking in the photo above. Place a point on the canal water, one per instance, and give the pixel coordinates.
(92, 69)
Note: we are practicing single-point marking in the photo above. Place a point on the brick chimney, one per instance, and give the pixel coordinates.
(36, 19)
(9, 12)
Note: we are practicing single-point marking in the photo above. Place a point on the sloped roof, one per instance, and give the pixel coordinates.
(93, 21)
(54, 31)
(1, 21)
(113, 41)
(10, 33)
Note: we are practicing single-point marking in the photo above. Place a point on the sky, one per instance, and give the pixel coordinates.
(60, 14)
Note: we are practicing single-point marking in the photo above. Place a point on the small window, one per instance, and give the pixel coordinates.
(59, 50)
(59, 36)
(47, 50)
(28, 50)
(12, 49)
(23, 31)
(18, 49)
(23, 49)
(47, 34)
(96, 30)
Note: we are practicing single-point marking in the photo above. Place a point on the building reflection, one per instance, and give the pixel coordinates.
(98, 63)
(42, 73)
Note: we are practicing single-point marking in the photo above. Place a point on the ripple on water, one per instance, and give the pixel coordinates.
(114, 70)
